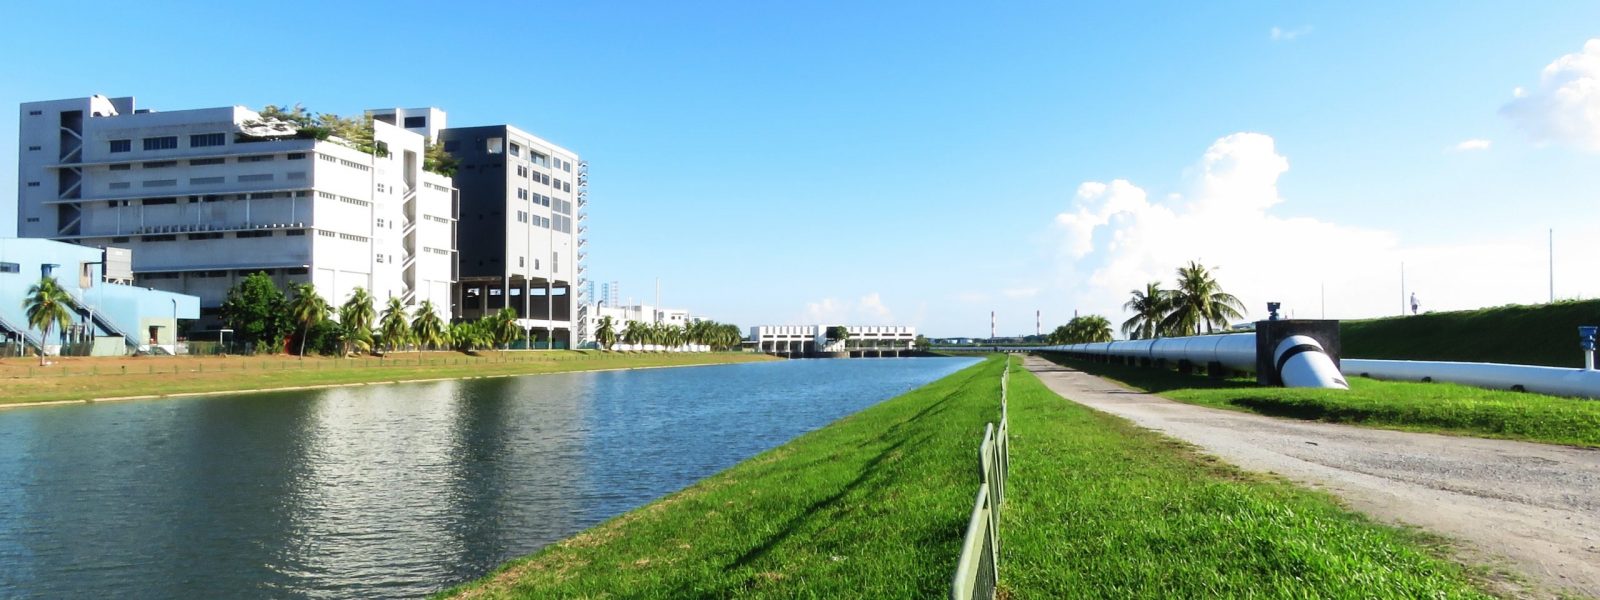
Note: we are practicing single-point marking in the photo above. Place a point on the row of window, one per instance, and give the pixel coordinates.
(207, 198)
(155, 183)
(210, 235)
(170, 142)
(196, 162)
(212, 274)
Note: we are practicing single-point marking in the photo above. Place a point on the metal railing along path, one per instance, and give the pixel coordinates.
(978, 569)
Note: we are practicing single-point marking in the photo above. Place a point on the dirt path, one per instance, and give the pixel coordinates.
(1535, 506)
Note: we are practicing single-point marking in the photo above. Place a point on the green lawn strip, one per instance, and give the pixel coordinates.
(871, 506)
(1097, 507)
(287, 372)
(1541, 334)
(1411, 406)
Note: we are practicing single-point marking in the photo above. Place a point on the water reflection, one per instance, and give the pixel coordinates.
(386, 490)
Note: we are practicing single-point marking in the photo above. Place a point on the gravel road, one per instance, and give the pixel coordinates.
(1532, 507)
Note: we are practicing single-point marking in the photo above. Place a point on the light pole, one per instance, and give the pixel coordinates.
(219, 340)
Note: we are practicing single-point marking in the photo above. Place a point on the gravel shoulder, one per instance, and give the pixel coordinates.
(1533, 507)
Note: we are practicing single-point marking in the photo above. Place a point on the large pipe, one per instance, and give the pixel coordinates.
(1556, 381)
(1300, 360)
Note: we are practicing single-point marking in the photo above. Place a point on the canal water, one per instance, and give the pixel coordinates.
(382, 491)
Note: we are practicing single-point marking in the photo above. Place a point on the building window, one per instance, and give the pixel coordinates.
(160, 164)
(35, 148)
(256, 177)
(296, 156)
(33, 184)
(566, 186)
(295, 232)
(254, 234)
(206, 161)
(205, 180)
(452, 146)
(121, 166)
(159, 238)
(494, 145)
(256, 158)
(416, 122)
(121, 145)
(9, 267)
(207, 139)
(159, 183)
(168, 142)
(120, 185)
(522, 194)
(119, 240)
(516, 150)
(35, 113)
(566, 166)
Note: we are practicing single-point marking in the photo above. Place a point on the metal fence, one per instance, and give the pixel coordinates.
(978, 569)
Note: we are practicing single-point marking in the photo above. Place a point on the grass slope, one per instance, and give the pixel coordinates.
(874, 506)
(1097, 507)
(1432, 407)
(22, 381)
(1545, 334)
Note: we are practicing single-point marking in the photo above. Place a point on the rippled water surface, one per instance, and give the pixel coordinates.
(382, 491)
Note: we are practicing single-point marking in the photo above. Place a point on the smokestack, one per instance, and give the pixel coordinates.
(991, 324)
(1038, 324)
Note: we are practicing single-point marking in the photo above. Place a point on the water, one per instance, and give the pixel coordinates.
(382, 491)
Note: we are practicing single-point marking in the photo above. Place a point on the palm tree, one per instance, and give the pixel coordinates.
(637, 332)
(1082, 330)
(1199, 300)
(606, 334)
(308, 309)
(1149, 306)
(427, 329)
(46, 307)
(393, 326)
(356, 315)
(502, 327)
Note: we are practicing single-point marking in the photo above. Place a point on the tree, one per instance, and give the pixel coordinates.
(921, 342)
(606, 334)
(356, 315)
(637, 332)
(1149, 307)
(256, 311)
(436, 160)
(468, 337)
(393, 326)
(1199, 301)
(1086, 329)
(837, 333)
(307, 309)
(47, 307)
(502, 327)
(427, 328)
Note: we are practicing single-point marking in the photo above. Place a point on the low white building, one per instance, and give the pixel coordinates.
(813, 339)
(621, 316)
(205, 197)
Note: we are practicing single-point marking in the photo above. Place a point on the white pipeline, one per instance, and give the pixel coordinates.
(1300, 364)
(1556, 381)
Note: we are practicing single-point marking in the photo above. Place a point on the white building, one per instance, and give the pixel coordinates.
(521, 228)
(205, 197)
(622, 315)
(813, 339)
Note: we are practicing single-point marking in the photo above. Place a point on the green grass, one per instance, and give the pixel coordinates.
(1431, 407)
(1545, 334)
(85, 379)
(874, 506)
(1099, 508)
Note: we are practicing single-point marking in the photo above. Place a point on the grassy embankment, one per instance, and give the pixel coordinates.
(23, 381)
(1431, 407)
(1545, 334)
(874, 506)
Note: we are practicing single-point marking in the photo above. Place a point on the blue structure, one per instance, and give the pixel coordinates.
(110, 318)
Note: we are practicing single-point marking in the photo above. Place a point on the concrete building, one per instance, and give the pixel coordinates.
(622, 315)
(205, 197)
(521, 230)
(812, 340)
(110, 318)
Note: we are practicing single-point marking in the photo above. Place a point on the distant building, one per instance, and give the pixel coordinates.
(622, 315)
(109, 318)
(813, 339)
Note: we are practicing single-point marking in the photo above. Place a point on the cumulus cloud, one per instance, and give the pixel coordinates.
(1565, 105)
(1471, 145)
(867, 310)
(1288, 35)
(1114, 238)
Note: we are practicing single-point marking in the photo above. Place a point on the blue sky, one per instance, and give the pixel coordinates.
(923, 163)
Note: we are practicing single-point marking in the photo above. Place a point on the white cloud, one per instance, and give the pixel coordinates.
(1114, 239)
(1288, 35)
(868, 310)
(1472, 144)
(1565, 106)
